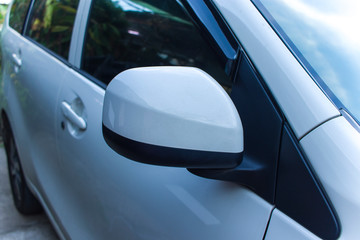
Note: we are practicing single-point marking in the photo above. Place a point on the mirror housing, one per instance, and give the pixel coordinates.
(172, 116)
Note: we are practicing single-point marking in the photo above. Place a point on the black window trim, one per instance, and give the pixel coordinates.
(26, 22)
(220, 37)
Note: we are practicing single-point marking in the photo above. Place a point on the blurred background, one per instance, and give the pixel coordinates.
(3, 7)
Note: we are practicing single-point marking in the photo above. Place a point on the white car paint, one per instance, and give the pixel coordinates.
(282, 227)
(334, 152)
(170, 106)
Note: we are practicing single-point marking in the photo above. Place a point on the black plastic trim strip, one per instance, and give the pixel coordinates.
(168, 156)
(299, 193)
(210, 23)
(27, 17)
(85, 40)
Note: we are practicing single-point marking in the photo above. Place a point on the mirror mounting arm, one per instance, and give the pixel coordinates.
(249, 174)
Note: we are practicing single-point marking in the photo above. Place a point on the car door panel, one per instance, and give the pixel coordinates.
(111, 196)
(33, 91)
(12, 43)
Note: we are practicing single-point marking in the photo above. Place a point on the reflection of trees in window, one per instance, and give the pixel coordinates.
(18, 12)
(104, 28)
(123, 34)
(51, 24)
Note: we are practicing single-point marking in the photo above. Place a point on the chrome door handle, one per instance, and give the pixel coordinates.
(71, 115)
(16, 59)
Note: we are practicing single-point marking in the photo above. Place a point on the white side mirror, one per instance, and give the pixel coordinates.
(172, 116)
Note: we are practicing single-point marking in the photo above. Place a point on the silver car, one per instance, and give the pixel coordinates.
(184, 119)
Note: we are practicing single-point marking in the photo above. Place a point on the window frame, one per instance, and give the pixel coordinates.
(231, 43)
(77, 40)
(44, 48)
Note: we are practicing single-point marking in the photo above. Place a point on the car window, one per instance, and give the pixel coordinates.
(123, 34)
(323, 37)
(18, 13)
(51, 24)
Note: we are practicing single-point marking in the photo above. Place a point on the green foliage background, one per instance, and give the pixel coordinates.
(3, 9)
(51, 24)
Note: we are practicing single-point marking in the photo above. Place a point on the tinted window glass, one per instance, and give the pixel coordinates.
(51, 24)
(124, 34)
(18, 13)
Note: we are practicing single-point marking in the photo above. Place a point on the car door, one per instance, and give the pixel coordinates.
(38, 65)
(12, 45)
(109, 196)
